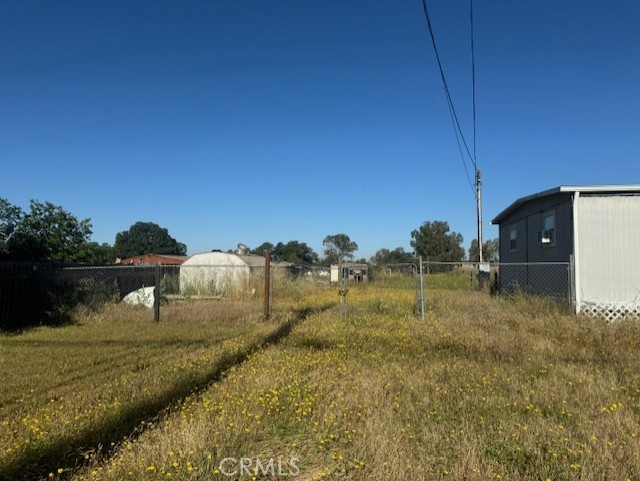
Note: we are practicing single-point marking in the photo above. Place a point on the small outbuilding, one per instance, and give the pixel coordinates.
(591, 232)
(350, 271)
(219, 273)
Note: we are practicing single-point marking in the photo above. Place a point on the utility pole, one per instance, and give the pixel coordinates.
(479, 206)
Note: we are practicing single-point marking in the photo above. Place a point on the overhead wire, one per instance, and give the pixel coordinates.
(473, 83)
(464, 164)
(452, 111)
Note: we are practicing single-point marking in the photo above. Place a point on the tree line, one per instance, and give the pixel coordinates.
(48, 233)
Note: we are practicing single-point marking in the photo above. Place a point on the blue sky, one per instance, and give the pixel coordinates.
(246, 121)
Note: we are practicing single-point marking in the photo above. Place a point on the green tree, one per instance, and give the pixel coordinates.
(48, 233)
(147, 238)
(338, 247)
(265, 246)
(294, 252)
(10, 217)
(434, 242)
(98, 254)
(490, 250)
(396, 256)
(297, 253)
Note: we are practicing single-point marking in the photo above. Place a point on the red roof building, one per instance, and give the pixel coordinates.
(152, 260)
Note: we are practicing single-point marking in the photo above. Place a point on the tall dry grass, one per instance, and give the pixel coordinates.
(484, 388)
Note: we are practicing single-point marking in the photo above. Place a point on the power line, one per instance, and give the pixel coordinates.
(475, 164)
(452, 110)
(473, 83)
(464, 164)
(456, 124)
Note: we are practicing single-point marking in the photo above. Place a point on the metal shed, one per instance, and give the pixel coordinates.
(596, 229)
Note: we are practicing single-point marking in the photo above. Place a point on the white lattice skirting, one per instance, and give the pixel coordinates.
(611, 311)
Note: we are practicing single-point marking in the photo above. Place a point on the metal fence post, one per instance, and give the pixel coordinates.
(571, 282)
(421, 291)
(156, 294)
(267, 285)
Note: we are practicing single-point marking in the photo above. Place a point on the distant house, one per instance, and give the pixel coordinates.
(220, 273)
(594, 228)
(350, 271)
(152, 259)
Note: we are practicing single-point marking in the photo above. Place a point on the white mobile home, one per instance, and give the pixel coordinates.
(594, 228)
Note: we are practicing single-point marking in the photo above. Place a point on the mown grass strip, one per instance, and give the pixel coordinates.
(49, 447)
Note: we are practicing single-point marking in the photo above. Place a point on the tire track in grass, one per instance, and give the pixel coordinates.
(68, 452)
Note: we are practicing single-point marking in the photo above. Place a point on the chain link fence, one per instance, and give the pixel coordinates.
(548, 279)
(44, 293)
(551, 280)
(405, 276)
(32, 293)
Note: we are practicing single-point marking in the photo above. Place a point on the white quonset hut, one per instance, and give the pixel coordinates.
(220, 273)
(596, 229)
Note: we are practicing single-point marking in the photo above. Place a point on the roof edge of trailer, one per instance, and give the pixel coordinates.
(571, 189)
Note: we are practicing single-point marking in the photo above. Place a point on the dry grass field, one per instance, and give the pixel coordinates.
(72, 393)
(483, 388)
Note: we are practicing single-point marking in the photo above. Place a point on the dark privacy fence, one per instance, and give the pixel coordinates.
(44, 293)
(32, 294)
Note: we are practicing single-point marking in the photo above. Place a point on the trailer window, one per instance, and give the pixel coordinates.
(513, 238)
(548, 236)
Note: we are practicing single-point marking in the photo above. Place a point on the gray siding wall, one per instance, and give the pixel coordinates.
(528, 219)
(520, 254)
